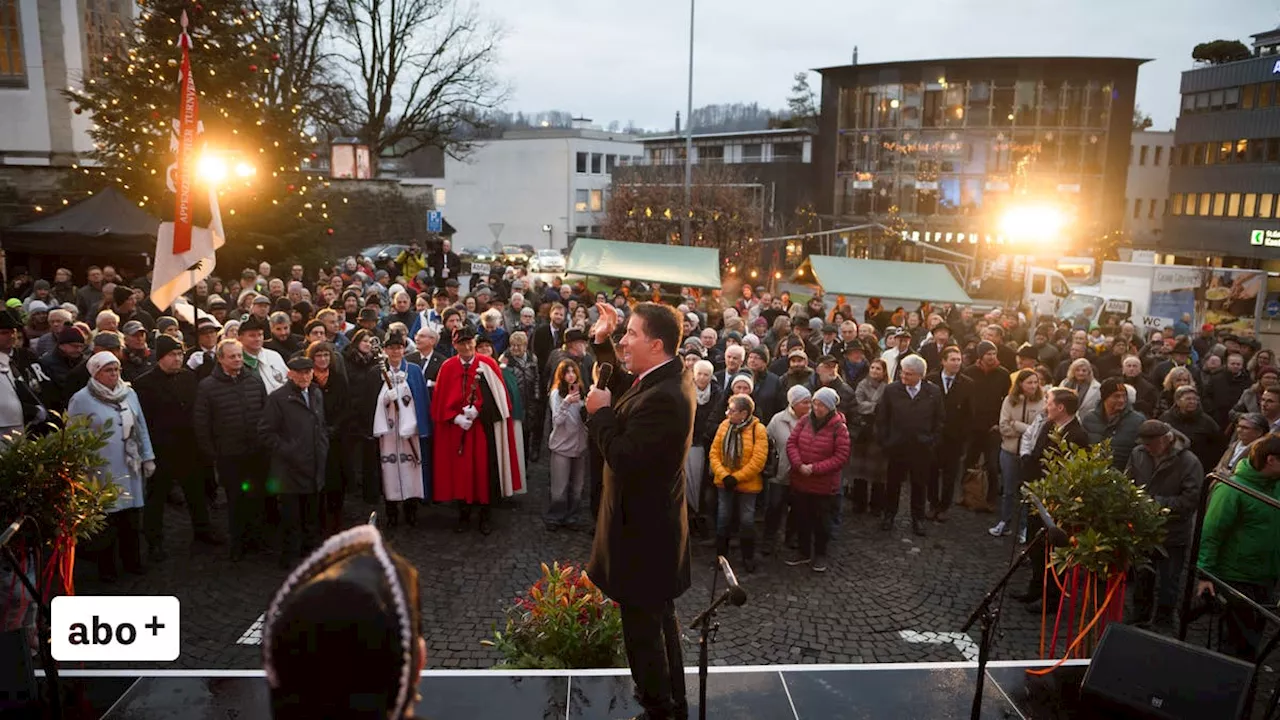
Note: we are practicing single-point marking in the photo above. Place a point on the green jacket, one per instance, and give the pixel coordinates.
(1241, 538)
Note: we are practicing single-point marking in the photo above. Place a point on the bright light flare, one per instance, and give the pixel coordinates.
(1037, 223)
(211, 168)
(245, 170)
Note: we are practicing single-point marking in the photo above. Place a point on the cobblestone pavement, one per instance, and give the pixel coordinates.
(878, 586)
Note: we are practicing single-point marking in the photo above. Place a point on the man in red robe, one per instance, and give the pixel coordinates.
(474, 448)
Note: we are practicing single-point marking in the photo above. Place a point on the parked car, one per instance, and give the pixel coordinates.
(514, 255)
(372, 251)
(547, 260)
(478, 254)
(388, 252)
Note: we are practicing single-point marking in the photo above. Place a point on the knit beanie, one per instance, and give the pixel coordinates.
(826, 396)
(798, 394)
(985, 347)
(743, 377)
(166, 345)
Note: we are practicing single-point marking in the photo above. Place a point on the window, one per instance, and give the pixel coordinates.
(1137, 207)
(582, 162)
(1202, 102)
(751, 152)
(594, 230)
(580, 230)
(1242, 150)
(1151, 209)
(1265, 202)
(13, 67)
(1188, 103)
(711, 154)
(597, 200)
(440, 197)
(597, 163)
(1250, 205)
(1231, 98)
(1273, 150)
(610, 162)
(788, 152)
(1177, 203)
(1265, 94)
(580, 200)
(1219, 204)
(1247, 96)
(103, 22)
(1142, 155)
(1205, 200)
(1155, 158)
(1215, 99)
(1037, 284)
(1233, 205)
(1192, 199)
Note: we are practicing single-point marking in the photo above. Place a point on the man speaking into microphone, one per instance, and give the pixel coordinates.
(642, 423)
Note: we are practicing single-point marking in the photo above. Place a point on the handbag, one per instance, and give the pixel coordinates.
(973, 490)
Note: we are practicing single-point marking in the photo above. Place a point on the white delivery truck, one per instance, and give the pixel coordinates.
(1154, 297)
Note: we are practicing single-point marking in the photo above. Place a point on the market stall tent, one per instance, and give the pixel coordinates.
(885, 279)
(646, 262)
(105, 224)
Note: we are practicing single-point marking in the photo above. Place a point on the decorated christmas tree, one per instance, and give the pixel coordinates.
(266, 196)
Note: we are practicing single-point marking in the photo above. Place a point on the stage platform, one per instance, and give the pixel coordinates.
(782, 692)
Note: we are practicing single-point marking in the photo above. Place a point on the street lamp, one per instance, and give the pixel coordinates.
(547, 229)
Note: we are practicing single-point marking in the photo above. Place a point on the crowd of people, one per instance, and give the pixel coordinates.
(290, 391)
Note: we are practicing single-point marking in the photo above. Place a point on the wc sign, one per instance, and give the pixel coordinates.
(1265, 238)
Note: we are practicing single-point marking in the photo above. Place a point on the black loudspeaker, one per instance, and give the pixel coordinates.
(1139, 674)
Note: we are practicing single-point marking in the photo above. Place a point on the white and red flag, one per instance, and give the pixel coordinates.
(184, 252)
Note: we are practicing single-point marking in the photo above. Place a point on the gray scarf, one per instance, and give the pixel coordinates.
(732, 447)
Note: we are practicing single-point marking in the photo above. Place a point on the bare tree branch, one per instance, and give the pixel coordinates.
(420, 73)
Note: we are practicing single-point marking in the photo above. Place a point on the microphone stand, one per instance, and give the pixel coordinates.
(43, 629)
(705, 622)
(988, 613)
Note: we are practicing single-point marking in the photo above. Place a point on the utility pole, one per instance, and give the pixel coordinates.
(686, 230)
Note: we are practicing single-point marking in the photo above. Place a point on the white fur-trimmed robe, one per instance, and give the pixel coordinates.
(510, 450)
(395, 424)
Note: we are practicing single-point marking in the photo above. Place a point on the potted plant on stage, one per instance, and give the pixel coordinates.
(562, 622)
(1113, 526)
(50, 483)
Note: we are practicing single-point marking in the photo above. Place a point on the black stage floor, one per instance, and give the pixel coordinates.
(802, 692)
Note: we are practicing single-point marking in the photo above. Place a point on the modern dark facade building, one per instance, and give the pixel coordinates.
(1225, 182)
(941, 149)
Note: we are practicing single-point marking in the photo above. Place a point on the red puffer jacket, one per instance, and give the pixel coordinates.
(827, 450)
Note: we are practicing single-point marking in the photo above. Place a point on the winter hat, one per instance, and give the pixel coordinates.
(101, 360)
(1150, 429)
(37, 306)
(985, 347)
(69, 335)
(166, 344)
(743, 377)
(121, 294)
(1185, 390)
(798, 394)
(827, 397)
(815, 324)
(164, 322)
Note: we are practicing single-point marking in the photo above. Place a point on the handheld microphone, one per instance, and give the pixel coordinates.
(604, 373)
(373, 518)
(1053, 534)
(737, 596)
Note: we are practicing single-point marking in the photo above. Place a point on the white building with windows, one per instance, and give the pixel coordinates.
(536, 187)
(45, 47)
(1147, 185)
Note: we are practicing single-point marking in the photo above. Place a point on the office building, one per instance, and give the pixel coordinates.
(1146, 195)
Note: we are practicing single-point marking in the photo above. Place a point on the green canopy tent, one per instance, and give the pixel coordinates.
(666, 264)
(908, 282)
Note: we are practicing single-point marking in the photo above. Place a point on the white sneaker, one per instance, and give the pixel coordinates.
(999, 530)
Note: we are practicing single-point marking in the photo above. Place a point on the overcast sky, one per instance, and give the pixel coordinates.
(611, 60)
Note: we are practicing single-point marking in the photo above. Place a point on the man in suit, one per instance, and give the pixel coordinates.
(932, 351)
(1060, 421)
(549, 337)
(734, 357)
(642, 423)
(828, 344)
(909, 422)
(957, 418)
(426, 356)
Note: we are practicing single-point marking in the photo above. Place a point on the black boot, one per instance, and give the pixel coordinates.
(877, 497)
(392, 510)
(411, 513)
(858, 495)
(749, 554)
(722, 548)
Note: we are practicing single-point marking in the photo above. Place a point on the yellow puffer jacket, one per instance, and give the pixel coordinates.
(755, 453)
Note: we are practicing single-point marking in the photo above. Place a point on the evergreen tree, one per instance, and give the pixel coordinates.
(133, 98)
(801, 103)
